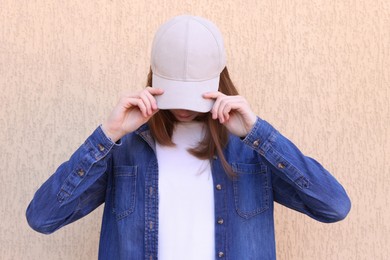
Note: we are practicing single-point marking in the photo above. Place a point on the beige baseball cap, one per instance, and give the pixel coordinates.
(187, 58)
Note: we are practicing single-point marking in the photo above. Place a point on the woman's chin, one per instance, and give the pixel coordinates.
(182, 115)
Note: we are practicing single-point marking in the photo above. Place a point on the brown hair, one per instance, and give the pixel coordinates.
(162, 124)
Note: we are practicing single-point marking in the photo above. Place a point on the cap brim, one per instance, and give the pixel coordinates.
(185, 94)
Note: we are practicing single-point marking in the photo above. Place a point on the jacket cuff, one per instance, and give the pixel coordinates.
(261, 136)
(100, 144)
(95, 148)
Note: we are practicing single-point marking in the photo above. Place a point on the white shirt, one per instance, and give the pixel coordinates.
(186, 198)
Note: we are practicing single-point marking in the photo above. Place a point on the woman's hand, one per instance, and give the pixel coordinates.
(233, 112)
(132, 110)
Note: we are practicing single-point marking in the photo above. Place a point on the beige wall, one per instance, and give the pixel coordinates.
(317, 70)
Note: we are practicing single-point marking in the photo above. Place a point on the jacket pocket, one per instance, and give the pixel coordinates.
(251, 189)
(124, 190)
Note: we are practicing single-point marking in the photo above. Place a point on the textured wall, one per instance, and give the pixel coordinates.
(317, 70)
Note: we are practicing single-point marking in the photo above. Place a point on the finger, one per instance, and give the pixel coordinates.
(212, 95)
(229, 104)
(214, 110)
(130, 93)
(226, 111)
(143, 108)
(224, 105)
(218, 96)
(143, 96)
(152, 100)
(137, 102)
(155, 91)
(128, 102)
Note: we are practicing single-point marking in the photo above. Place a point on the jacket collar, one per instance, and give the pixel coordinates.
(144, 132)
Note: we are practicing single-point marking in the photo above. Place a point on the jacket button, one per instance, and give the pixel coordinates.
(281, 166)
(219, 187)
(101, 147)
(215, 157)
(220, 221)
(221, 254)
(256, 143)
(80, 172)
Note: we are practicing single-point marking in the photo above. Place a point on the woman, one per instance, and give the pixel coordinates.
(185, 168)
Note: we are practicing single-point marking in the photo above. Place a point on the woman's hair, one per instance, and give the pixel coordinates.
(216, 137)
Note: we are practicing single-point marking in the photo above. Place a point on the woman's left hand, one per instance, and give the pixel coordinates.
(233, 112)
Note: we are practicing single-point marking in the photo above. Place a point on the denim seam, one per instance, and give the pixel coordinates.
(291, 166)
(265, 206)
(124, 213)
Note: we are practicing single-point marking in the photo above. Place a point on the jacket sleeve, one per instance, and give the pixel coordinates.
(298, 181)
(76, 188)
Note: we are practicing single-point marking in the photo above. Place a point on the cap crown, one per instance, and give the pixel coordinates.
(188, 48)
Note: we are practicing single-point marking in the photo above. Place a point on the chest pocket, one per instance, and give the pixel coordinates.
(124, 190)
(251, 189)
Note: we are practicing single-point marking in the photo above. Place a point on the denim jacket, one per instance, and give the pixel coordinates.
(124, 176)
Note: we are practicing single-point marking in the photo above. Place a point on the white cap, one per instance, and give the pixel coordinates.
(187, 58)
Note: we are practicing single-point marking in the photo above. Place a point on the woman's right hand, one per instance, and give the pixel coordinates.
(132, 110)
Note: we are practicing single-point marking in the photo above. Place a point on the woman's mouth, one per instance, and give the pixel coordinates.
(184, 115)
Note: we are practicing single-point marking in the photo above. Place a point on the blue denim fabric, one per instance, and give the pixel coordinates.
(124, 176)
